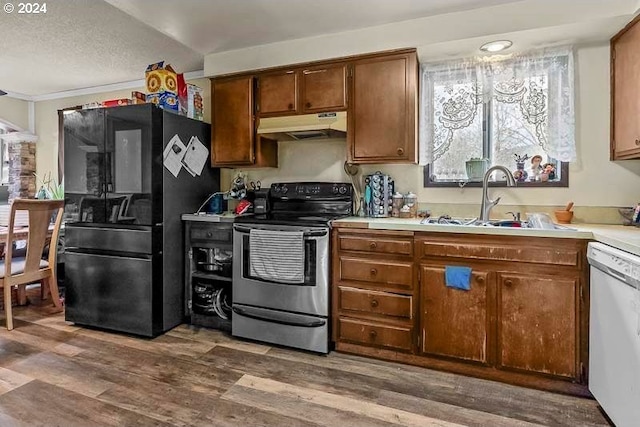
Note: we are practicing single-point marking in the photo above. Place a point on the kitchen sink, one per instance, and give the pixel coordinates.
(475, 222)
(447, 220)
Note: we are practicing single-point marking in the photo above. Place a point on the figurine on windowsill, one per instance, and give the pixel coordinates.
(536, 168)
(549, 169)
(520, 174)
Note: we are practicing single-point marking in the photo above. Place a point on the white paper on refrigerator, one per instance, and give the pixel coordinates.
(196, 156)
(173, 155)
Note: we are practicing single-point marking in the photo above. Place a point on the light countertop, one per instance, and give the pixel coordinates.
(204, 217)
(619, 236)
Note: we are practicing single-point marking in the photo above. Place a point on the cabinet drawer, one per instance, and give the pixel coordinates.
(375, 334)
(501, 252)
(376, 244)
(373, 302)
(388, 274)
(220, 233)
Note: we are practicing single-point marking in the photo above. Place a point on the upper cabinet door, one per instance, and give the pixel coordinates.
(232, 136)
(277, 93)
(625, 91)
(383, 109)
(324, 88)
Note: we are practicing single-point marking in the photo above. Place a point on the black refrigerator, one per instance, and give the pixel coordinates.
(123, 206)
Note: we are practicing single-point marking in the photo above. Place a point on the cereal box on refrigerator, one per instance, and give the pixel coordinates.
(194, 102)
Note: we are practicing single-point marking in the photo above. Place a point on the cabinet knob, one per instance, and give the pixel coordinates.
(373, 334)
(480, 279)
(373, 245)
(374, 271)
(209, 234)
(308, 105)
(400, 151)
(374, 303)
(508, 283)
(638, 141)
(290, 106)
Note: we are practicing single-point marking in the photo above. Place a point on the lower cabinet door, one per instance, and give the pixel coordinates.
(455, 322)
(110, 292)
(537, 324)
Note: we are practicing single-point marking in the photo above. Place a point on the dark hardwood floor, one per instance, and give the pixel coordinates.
(57, 374)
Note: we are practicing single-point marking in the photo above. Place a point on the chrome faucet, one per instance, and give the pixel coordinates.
(487, 203)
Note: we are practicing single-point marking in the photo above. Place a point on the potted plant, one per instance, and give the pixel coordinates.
(476, 167)
(49, 188)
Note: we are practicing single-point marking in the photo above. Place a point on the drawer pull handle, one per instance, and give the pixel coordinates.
(373, 245)
(290, 106)
(209, 234)
(308, 105)
(480, 279)
(638, 141)
(374, 271)
(313, 71)
(400, 151)
(508, 283)
(373, 334)
(374, 303)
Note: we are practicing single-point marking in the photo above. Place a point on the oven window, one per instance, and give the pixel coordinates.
(310, 251)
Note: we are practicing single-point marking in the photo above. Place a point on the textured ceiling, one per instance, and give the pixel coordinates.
(220, 25)
(85, 43)
(81, 43)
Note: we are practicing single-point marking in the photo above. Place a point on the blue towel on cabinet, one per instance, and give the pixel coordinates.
(458, 277)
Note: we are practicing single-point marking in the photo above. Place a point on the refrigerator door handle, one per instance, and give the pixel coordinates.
(110, 256)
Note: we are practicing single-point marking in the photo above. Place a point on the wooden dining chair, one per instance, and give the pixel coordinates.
(20, 271)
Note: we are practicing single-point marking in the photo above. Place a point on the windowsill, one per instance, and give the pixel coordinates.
(465, 183)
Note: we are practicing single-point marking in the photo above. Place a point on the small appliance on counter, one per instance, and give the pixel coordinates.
(261, 201)
(378, 195)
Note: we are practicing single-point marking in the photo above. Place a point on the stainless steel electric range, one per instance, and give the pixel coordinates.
(281, 267)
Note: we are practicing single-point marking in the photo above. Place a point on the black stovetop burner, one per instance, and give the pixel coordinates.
(306, 204)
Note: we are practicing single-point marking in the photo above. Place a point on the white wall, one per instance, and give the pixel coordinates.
(15, 111)
(542, 22)
(594, 180)
(46, 113)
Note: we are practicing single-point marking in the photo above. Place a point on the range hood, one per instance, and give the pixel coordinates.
(304, 126)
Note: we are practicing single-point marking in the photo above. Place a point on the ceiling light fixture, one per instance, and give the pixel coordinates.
(496, 46)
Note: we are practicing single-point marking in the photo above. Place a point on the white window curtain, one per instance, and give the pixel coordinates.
(535, 89)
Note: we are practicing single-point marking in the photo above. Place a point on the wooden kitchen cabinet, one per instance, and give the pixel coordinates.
(324, 88)
(455, 323)
(538, 324)
(625, 93)
(524, 320)
(233, 138)
(374, 297)
(382, 122)
(278, 93)
(306, 90)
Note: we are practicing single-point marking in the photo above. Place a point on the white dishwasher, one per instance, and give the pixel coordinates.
(614, 333)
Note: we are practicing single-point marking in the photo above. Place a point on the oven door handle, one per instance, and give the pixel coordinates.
(282, 319)
(243, 229)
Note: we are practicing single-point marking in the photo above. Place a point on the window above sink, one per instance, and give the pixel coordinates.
(516, 111)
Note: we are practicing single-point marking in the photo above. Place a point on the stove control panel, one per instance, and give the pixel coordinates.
(311, 190)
